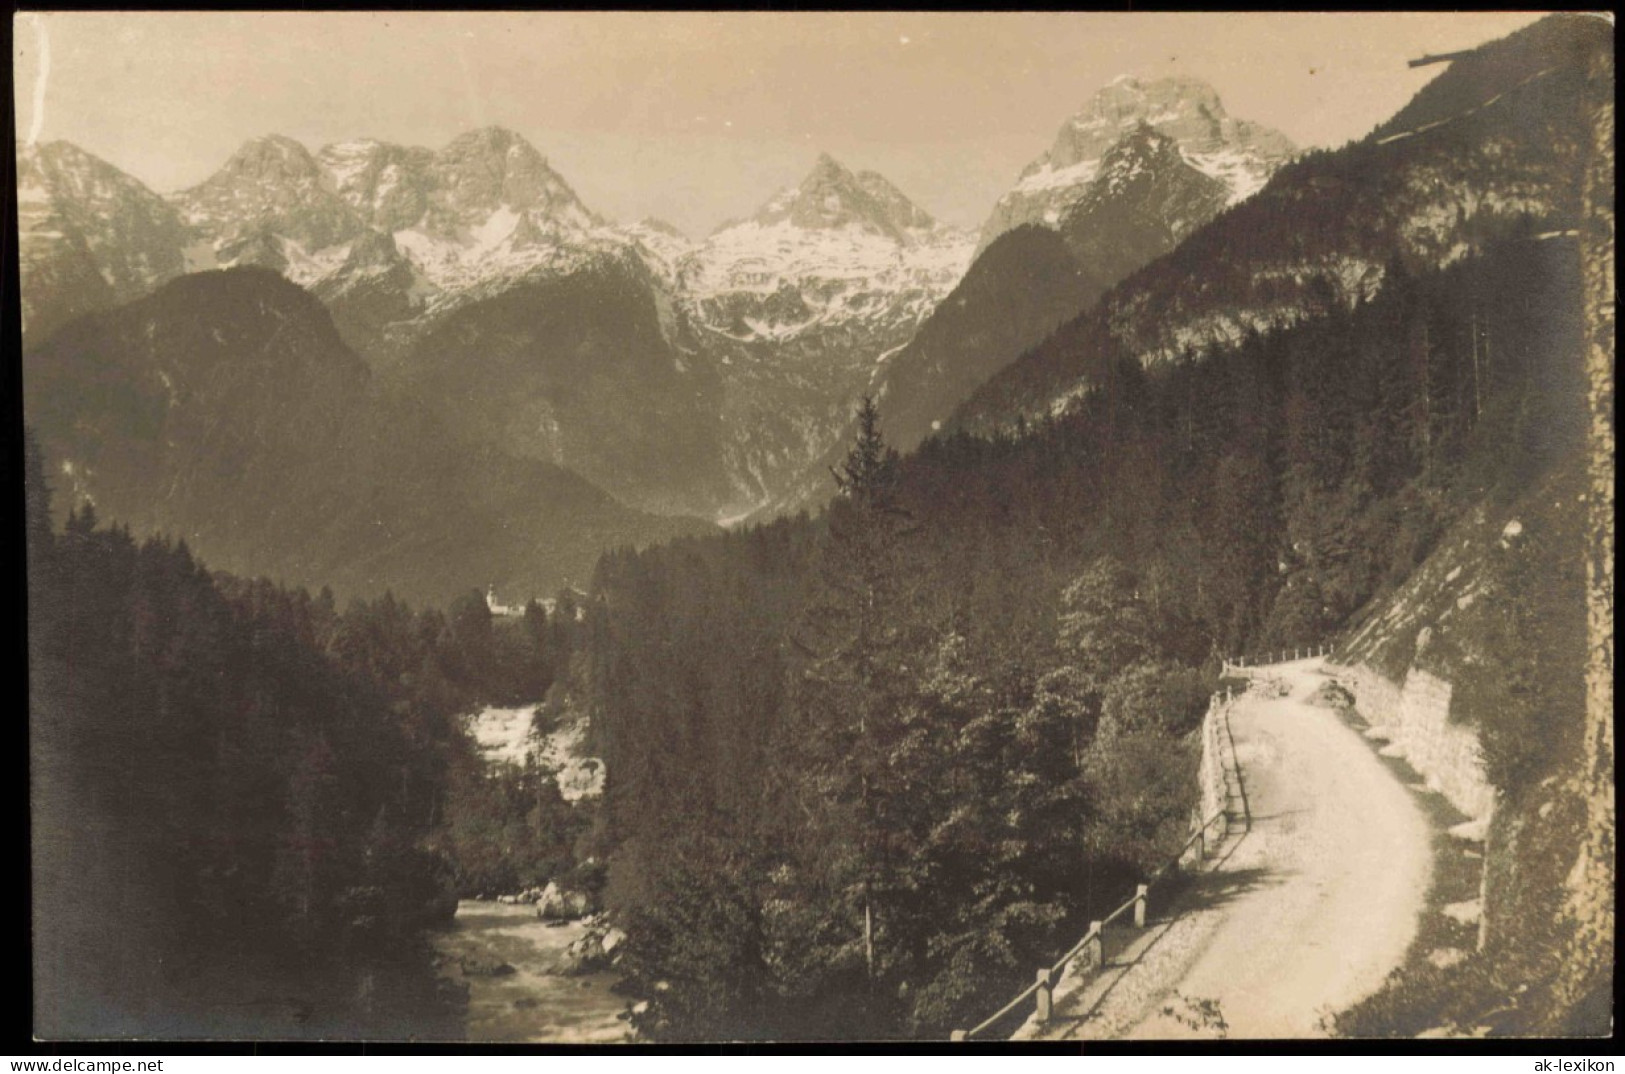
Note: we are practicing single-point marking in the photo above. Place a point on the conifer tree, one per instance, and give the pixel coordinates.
(860, 635)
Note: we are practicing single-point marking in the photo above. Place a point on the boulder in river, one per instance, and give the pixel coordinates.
(585, 955)
(561, 903)
(484, 967)
(594, 949)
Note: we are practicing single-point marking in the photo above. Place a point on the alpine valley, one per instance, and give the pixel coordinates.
(456, 614)
(689, 380)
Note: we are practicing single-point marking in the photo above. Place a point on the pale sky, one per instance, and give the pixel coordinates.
(698, 117)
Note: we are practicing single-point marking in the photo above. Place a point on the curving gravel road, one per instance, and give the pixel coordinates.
(1302, 914)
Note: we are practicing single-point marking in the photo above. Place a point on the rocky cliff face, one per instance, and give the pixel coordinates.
(386, 185)
(89, 236)
(272, 187)
(1472, 672)
(1143, 202)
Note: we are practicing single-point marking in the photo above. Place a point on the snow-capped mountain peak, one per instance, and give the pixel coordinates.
(485, 206)
(835, 224)
(832, 198)
(1186, 109)
(494, 168)
(271, 158)
(270, 185)
(1240, 154)
(63, 168)
(800, 301)
(1146, 196)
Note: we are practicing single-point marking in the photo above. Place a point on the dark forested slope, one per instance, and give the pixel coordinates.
(1018, 625)
(225, 409)
(226, 800)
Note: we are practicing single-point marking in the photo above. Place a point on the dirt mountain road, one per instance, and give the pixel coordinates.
(1306, 909)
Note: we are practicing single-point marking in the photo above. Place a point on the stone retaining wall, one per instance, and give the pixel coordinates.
(1417, 717)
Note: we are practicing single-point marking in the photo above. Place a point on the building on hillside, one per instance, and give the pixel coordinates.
(497, 608)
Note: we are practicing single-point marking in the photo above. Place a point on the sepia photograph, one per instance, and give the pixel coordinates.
(715, 528)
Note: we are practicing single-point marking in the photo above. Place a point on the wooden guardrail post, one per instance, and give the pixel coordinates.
(1045, 995)
(1092, 948)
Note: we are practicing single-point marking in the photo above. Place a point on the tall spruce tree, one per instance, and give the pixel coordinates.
(860, 634)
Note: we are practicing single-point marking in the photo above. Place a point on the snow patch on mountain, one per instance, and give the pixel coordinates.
(1241, 172)
(1047, 177)
(761, 258)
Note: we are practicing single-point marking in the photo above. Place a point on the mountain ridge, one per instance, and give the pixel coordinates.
(1328, 224)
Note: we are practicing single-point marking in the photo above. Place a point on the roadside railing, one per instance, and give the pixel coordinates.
(1092, 948)
(1280, 656)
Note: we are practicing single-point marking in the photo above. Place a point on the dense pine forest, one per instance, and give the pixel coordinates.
(866, 770)
(249, 804)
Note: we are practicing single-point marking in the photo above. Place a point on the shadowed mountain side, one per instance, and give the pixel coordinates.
(1144, 198)
(1023, 286)
(581, 371)
(224, 409)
